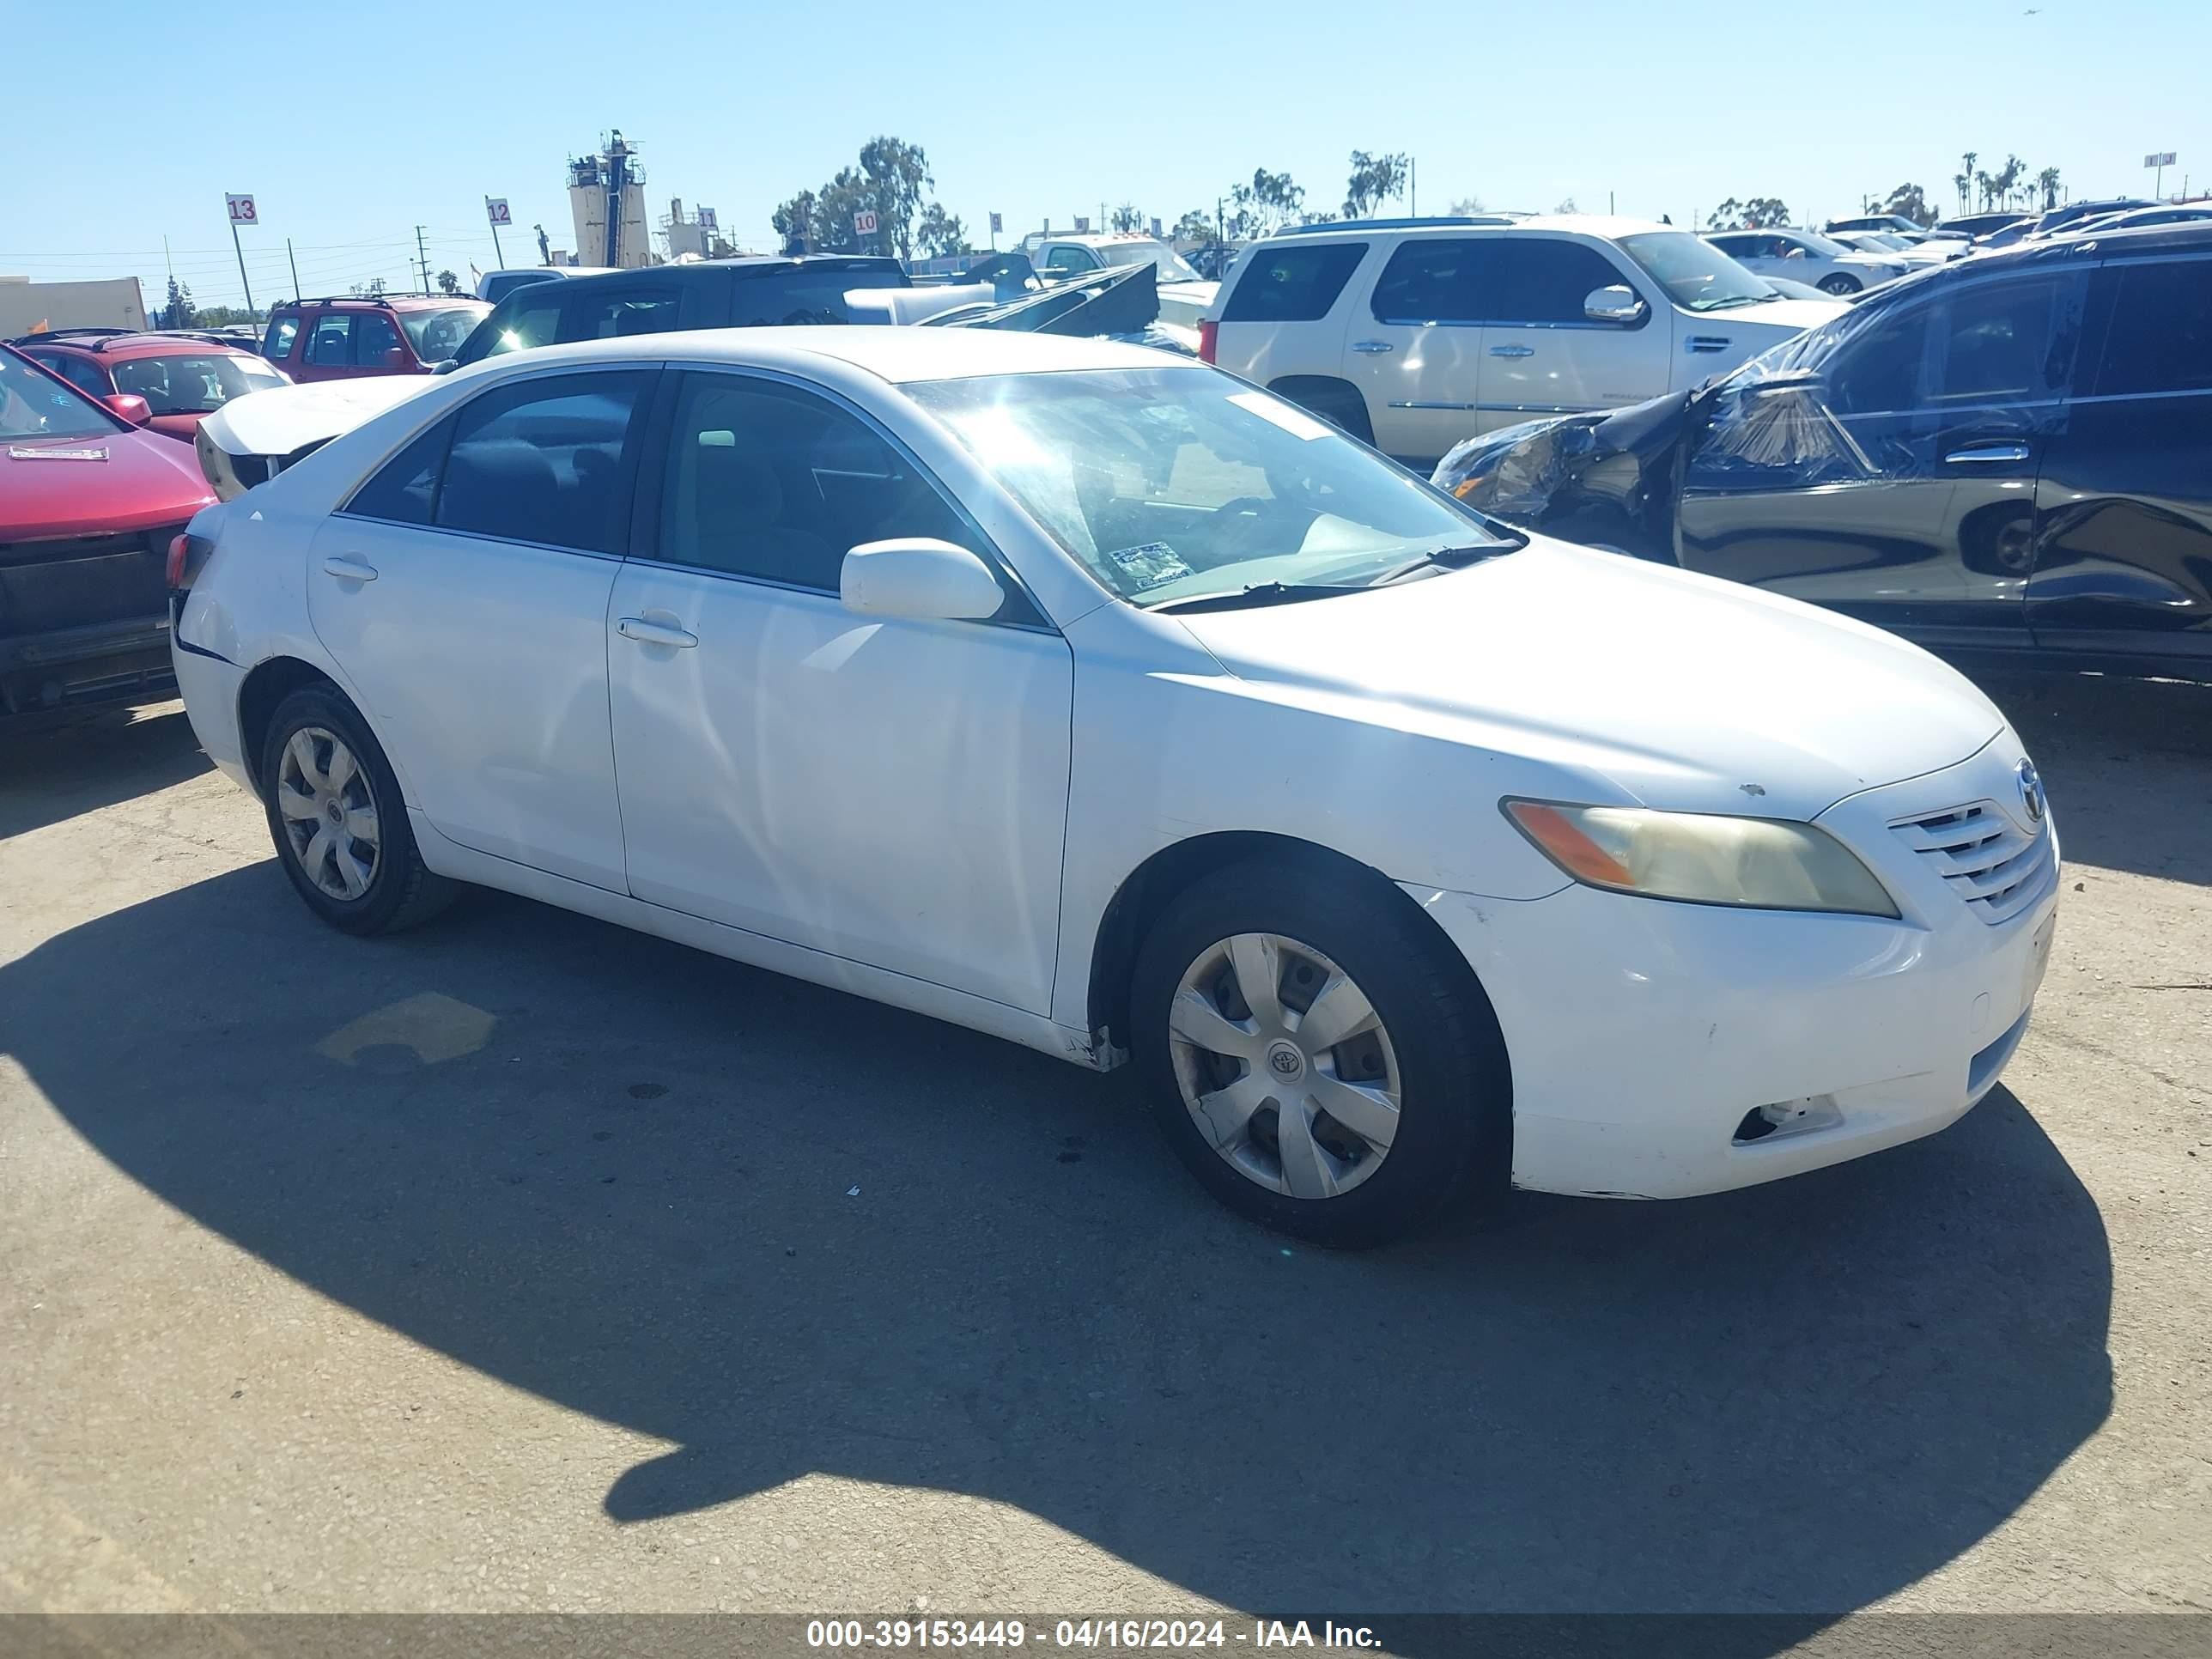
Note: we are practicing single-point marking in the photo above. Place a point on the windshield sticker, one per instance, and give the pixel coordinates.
(1295, 421)
(16, 454)
(1152, 565)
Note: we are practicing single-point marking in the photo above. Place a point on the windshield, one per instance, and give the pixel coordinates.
(437, 335)
(1173, 267)
(193, 385)
(1697, 275)
(36, 406)
(1177, 483)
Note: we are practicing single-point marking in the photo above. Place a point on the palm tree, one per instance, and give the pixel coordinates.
(2013, 167)
(1962, 180)
(1987, 185)
(1967, 175)
(2047, 182)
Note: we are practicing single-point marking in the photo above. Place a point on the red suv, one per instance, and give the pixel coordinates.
(183, 378)
(89, 506)
(344, 339)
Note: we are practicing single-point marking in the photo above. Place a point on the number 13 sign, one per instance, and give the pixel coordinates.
(241, 211)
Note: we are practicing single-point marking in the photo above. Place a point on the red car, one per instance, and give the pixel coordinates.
(344, 339)
(182, 379)
(89, 505)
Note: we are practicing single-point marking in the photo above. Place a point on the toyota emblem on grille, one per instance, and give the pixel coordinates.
(2031, 790)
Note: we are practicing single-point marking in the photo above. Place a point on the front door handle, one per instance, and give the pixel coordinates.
(1372, 345)
(651, 633)
(1512, 351)
(1986, 455)
(346, 567)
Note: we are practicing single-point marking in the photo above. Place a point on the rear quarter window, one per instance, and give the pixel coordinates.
(1292, 283)
(2161, 336)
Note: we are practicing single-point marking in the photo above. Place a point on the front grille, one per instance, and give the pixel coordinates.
(1996, 867)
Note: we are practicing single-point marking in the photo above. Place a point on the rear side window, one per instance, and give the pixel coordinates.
(332, 344)
(544, 461)
(1292, 283)
(2161, 337)
(1536, 279)
(405, 489)
(283, 329)
(613, 316)
(1432, 281)
(84, 376)
(812, 293)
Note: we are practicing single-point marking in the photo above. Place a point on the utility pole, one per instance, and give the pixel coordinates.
(425, 256)
(1413, 185)
(295, 270)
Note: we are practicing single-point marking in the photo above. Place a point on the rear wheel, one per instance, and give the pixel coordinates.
(1840, 284)
(1339, 405)
(1322, 1062)
(339, 824)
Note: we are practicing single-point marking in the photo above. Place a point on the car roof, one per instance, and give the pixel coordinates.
(899, 355)
(700, 271)
(1605, 226)
(153, 343)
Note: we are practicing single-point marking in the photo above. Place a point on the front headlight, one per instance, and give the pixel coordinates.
(1766, 864)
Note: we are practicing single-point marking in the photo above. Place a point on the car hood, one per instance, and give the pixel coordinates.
(1686, 692)
(285, 418)
(1784, 316)
(121, 481)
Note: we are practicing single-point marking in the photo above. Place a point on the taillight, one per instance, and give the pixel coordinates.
(180, 546)
(1209, 331)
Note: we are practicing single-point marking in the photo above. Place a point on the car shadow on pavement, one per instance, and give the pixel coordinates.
(64, 771)
(622, 1175)
(2127, 763)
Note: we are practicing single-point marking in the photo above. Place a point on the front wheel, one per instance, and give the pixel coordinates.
(339, 824)
(1840, 284)
(1322, 1062)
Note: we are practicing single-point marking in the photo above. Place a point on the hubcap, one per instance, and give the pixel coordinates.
(328, 814)
(1284, 1065)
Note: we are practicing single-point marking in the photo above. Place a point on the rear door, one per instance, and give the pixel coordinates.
(1415, 350)
(1543, 353)
(1285, 316)
(2123, 552)
(1900, 486)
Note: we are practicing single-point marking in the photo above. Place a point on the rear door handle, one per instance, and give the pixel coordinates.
(1372, 345)
(346, 567)
(1986, 455)
(649, 633)
(1512, 351)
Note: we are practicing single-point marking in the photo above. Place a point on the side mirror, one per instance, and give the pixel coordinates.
(128, 406)
(395, 357)
(920, 577)
(1616, 303)
(1794, 253)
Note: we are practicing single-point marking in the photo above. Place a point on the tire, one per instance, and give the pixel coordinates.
(1838, 283)
(315, 803)
(1450, 1142)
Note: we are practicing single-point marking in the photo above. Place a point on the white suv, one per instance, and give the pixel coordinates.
(1415, 334)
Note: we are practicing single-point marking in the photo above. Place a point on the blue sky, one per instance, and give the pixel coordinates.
(415, 112)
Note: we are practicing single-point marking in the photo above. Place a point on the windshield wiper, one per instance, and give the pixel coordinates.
(1449, 558)
(1259, 593)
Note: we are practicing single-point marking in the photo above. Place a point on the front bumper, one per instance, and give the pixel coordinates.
(1644, 1033)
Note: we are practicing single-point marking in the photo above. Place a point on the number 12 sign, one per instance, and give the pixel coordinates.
(241, 211)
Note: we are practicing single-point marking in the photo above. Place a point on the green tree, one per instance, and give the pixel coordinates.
(1759, 213)
(1270, 201)
(2007, 177)
(940, 234)
(177, 312)
(1375, 179)
(795, 217)
(449, 284)
(1195, 226)
(1910, 201)
(2047, 182)
(1465, 207)
(888, 182)
(1966, 176)
(1567, 206)
(1987, 186)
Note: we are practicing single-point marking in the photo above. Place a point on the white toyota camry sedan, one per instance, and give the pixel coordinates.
(1094, 699)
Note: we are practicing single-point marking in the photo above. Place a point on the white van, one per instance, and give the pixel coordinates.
(1413, 334)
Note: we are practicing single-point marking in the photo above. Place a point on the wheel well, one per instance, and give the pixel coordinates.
(1329, 397)
(269, 684)
(1153, 885)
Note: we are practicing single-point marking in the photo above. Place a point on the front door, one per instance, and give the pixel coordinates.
(887, 790)
(1899, 486)
(463, 592)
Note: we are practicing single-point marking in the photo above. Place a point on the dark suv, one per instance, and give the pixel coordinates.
(2010, 453)
(713, 294)
(344, 339)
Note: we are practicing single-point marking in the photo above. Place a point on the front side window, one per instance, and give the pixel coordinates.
(1170, 484)
(766, 481)
(2161, 336)
(519, 324)
(1433, 280)
(1981, 342)
(374, 341)
(543, 460)
(35, 405)
(1696, 275)
(1293, 282)
(195, 385)
(1537, 279)
(331, 343)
